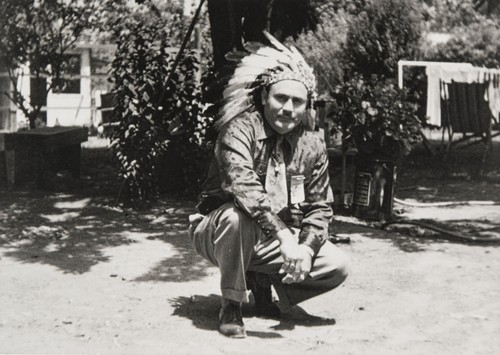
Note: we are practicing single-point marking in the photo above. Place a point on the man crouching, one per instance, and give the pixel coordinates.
(264, 213)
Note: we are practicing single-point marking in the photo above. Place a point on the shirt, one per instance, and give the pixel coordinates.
(238, 173)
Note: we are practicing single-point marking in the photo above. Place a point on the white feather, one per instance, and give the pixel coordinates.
(275, 42)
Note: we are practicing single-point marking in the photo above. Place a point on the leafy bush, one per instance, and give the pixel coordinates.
(362, 46)
(350, 6)
(153, 118)
(443, 16)
(323, 48)
(375, 116)
(381, 35)
(478, 44)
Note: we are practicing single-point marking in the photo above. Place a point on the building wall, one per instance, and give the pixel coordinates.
(64, 109)
(73, 109)
(7, 111)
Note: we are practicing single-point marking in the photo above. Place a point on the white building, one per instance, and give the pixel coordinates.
(78, 104)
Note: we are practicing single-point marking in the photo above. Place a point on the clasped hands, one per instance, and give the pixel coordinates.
(297, 258)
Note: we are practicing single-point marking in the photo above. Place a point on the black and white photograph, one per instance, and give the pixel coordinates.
(250, 177)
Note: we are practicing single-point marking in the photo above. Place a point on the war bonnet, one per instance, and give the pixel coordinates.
(259, 67)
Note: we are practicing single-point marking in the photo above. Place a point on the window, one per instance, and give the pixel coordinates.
(71, 68)
(101, 58)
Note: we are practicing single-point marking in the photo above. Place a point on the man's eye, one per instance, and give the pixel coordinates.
(298, 102)
(281, 98)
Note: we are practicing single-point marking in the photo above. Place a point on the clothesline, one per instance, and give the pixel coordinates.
(445, 72)
(435, 92)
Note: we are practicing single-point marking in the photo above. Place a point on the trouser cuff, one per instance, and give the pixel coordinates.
(237, 296)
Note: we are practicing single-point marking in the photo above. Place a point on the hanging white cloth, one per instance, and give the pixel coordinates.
(461, 74)
(437, 73)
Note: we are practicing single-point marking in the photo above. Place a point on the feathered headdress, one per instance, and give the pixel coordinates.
(260, 67)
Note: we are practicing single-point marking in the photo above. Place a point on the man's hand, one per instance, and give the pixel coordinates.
(194, 220)
(297, 258)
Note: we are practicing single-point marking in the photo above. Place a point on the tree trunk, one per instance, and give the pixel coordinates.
(233, 22)
(221, 30)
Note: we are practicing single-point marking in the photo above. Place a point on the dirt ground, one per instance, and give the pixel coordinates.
(81, 275)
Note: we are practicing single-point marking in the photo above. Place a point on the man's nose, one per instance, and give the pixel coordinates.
(288, 107)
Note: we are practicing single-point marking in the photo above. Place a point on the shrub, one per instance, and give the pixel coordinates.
(152, 124)
(385, 32)
(375, 116)
(478, 44)
(350, 6)
(443, 16)
(323, 48)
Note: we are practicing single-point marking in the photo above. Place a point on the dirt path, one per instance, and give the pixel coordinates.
(80, 276)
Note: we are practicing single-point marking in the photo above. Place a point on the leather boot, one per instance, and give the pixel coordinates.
(260, 285)
(231, 321)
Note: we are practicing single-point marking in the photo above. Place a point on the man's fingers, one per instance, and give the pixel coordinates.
(297, 270)
(194, 220)
(286, 267)
(292, 268)
(299, 276)
(289, 278)
(302, 277)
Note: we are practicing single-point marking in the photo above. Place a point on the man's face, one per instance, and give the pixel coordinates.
(285, 105)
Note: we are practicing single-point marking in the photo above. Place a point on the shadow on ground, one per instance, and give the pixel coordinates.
(70, 226)
(59, 229)
(459, 175)
(203, 311)
(403, 242)
(414, 238)
(70, 231)
(185, 266)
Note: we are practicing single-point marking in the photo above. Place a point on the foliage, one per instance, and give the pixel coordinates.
(117, 14)
(323, 48)
(40, 33)
(381, 35)
(443, 16)
(375, 116)
(349, 6)
(473, 38)
(291, 18)
(357, 49)
(478, 44)
(155, 118)
(490, 8)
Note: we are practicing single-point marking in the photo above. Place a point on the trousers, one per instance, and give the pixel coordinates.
(230, 240)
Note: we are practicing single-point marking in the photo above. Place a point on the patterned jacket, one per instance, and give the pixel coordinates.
(238, 173)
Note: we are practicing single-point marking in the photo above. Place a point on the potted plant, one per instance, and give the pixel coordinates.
(375, 116)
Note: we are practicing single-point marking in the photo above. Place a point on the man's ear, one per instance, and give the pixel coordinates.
(263, 96)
